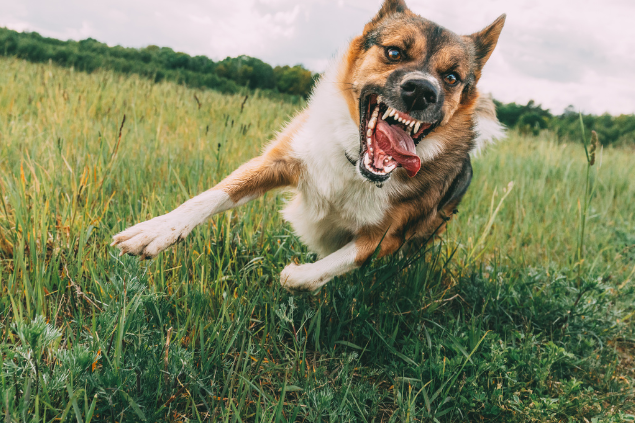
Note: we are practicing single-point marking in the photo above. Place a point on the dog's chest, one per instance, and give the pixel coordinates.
(332, 204)
(345, 198)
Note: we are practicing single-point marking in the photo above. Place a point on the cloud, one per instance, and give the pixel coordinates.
(554, 53)
(557, 52)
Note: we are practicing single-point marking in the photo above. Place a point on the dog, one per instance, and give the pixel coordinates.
(379, 157)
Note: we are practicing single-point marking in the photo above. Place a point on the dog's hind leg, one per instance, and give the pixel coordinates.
(277, 167)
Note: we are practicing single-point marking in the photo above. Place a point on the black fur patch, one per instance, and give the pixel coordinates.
(371, 39)
(350, 160)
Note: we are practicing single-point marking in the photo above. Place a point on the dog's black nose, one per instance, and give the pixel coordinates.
(418, 94)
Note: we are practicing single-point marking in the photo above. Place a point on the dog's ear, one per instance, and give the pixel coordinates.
(388, 8)
(484, 43)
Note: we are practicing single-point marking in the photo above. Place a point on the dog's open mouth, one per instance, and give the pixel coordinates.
(389, 138)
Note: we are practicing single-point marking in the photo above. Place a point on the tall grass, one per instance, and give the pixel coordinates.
(472, 331)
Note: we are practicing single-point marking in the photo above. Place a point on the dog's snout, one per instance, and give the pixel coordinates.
(418, 94)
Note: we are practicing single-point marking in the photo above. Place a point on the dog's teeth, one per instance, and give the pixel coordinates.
(417, 126)
(412, 123)
(386, 114)
(392, 112)
(379, 99)
(372, 122)
(367, 160)
(369, 133)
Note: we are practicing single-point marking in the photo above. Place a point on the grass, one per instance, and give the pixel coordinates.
(482, 326)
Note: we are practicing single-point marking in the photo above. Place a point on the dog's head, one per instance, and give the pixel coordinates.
(406, 77)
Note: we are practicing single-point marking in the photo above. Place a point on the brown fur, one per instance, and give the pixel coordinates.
(276, 168)
(414, 214)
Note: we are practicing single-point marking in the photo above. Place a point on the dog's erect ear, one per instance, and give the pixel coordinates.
(388, 8)
(485, 41)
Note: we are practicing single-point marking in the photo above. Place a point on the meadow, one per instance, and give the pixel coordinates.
(522, 312)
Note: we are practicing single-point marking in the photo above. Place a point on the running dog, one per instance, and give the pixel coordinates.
(379, 157)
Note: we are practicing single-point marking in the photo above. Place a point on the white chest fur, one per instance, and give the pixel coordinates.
(333, 201)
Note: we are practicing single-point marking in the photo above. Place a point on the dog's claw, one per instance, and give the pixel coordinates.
(148, 239)
(298, 279)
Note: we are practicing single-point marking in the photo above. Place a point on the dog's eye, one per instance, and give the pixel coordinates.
(393, 53)
(451, 79)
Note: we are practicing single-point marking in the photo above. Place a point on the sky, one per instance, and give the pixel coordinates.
(556, 52)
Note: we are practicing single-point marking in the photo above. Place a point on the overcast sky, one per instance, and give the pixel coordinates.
(557, 52)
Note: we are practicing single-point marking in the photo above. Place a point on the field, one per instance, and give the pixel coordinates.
(517, 315)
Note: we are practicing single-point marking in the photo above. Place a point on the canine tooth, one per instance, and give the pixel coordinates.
(392, 112)
(386, 114)
(417, 126)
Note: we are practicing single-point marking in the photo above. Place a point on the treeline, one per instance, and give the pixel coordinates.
(233, 75)
(160, 63)
(532, 118)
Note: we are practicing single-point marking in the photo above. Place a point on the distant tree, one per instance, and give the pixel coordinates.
(247, 71)
(294, 80)
(530, 118)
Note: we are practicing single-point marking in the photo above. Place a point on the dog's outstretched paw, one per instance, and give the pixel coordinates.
(298, 279)
(147, 239)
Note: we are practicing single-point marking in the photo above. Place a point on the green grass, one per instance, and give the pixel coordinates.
(483, 326)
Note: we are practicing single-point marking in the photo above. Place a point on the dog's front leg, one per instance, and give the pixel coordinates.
(276, 168)
(312, 276)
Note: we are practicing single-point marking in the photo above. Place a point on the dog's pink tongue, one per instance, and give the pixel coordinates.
(397, 143)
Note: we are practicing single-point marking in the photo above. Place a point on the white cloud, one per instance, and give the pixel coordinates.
(557, 52)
